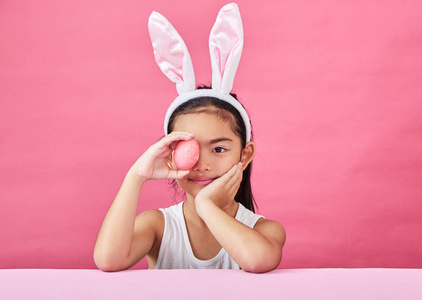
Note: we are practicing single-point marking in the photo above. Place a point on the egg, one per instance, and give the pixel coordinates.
(186, 154)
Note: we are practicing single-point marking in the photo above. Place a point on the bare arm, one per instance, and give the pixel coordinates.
(257, 249)
(113, 250)
(125, 238)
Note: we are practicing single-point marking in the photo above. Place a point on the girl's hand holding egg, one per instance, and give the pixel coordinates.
(153, 163)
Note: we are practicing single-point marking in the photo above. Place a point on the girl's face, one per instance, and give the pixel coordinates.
(219, 149)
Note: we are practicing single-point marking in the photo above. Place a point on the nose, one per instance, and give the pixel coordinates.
(203, 164)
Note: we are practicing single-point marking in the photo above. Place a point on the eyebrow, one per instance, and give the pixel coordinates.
(222, 139)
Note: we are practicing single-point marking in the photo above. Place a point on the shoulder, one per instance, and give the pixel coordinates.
(151, 214)
(152, 219)
(155, 218)
(272, 230)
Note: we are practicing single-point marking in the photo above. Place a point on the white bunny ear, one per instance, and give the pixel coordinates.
(226, 43)
(171, 53)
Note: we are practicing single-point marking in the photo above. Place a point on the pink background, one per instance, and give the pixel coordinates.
(334, 93)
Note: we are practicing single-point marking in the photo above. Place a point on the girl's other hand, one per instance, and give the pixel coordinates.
(223, 189)
(153, 164)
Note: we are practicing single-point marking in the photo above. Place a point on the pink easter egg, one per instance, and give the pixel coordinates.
(186, 154)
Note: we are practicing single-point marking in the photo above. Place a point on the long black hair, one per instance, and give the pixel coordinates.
(227, 112)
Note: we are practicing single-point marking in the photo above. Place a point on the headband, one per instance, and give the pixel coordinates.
(172, 56)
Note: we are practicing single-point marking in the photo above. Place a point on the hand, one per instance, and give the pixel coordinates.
(153, 163)
(222, 190)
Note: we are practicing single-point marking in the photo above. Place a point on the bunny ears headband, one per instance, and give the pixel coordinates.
(172, 56)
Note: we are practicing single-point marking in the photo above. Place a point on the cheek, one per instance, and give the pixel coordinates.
(222, 166)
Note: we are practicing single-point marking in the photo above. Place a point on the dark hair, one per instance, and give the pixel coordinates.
(227, 112)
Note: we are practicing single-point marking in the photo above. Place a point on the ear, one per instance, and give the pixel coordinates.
(226, 43)
(248, 154)
(171, 53)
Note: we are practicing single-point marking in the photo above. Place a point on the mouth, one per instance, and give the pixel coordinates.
(202, 180)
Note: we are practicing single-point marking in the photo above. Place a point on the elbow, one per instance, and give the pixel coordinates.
(102, 264)
(107, 267)
(262, 263)
(106, 264)
(268, 257)
(260, 267)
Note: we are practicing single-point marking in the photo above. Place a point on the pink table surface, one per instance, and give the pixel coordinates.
(211, 284)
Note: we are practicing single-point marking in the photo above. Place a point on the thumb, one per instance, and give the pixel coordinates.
(178, 174)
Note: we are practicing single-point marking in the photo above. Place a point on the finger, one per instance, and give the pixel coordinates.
(229, 178)
(169, 142)
(236, 179)
(232, 185)
(239, 177)
(225, 178)
(177, 136)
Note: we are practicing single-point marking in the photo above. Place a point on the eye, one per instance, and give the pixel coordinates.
(218, 150)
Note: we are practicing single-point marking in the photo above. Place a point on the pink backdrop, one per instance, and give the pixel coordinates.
(333, 89)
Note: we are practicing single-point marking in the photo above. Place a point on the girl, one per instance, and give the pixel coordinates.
(216, 226)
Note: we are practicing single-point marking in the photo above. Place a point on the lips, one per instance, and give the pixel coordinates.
(202, 180)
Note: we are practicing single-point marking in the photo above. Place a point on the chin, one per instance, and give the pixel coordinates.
(192, 192)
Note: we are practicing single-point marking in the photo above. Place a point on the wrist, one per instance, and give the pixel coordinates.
(203, 205)
(133, 175)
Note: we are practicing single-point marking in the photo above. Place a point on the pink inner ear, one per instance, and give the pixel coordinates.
(226, 38)
(172, 66)
(168, 51)
(171, 53)
(222, 44)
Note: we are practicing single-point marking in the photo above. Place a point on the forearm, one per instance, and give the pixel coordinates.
(250, 249)
(115, 237)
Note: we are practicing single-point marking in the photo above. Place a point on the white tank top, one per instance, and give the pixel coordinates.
(176, 251)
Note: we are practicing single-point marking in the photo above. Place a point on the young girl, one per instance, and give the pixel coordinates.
(216, 226)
